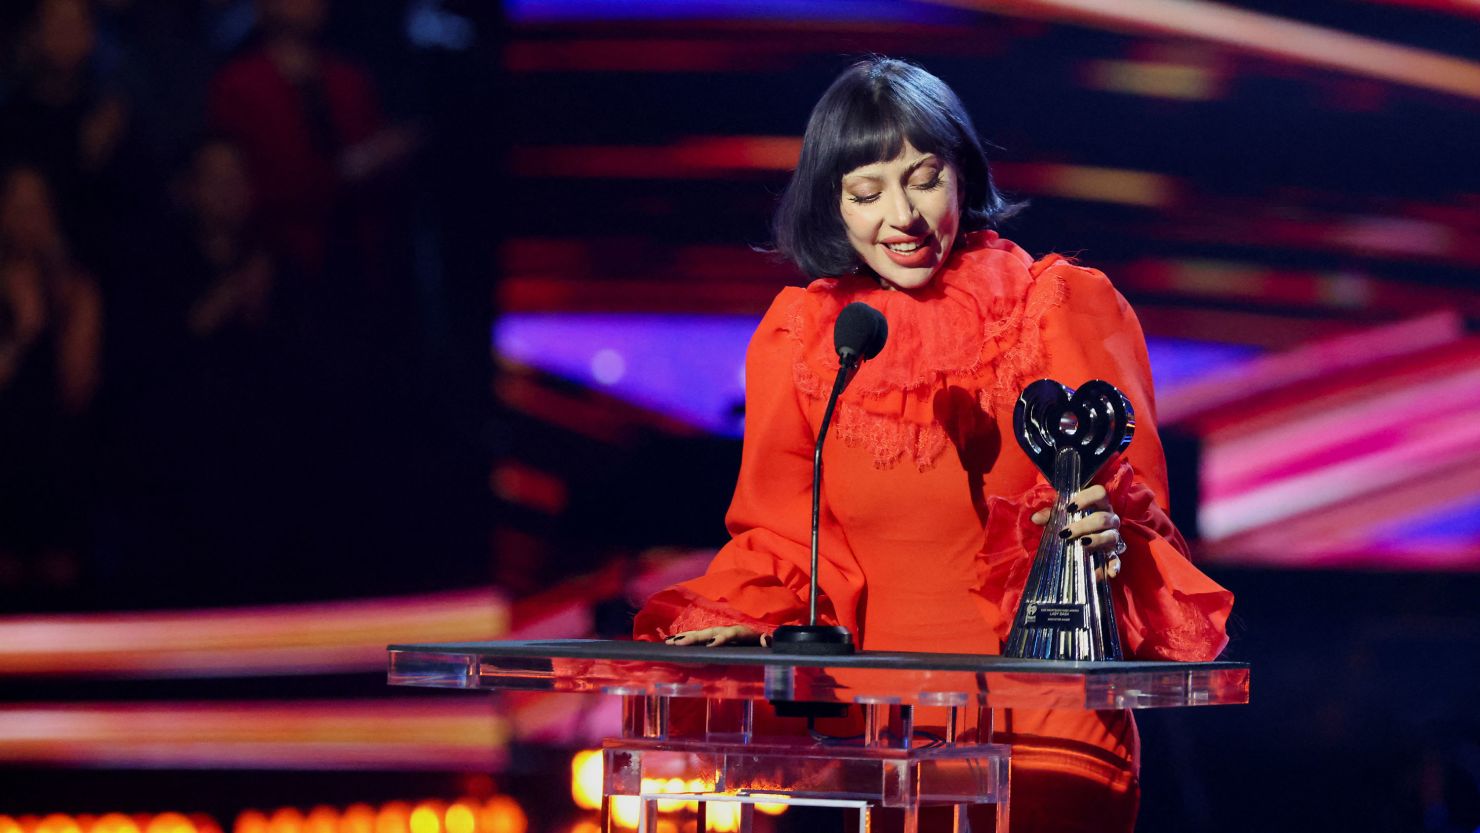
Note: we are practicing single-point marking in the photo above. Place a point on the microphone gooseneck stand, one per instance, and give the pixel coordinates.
(859, 334)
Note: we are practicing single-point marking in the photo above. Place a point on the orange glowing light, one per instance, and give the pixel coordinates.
(284, 820)
(625, 811)
(58, 823)
(205, 824)
(770, 808)
(174, 823)
(459, 818)
(722, 816)
(321, 819)
(119, 823)
(672, 785)
(250, 821)
(9, 825)
(585, 779)
(502, 814)
(427, 817)
(357, 818)
(394, 817)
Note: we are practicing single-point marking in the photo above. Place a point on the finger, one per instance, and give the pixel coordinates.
(765, 640)
(1097, 522)
(689, 637)
(721, 636)
(1099, 541)
(1092, 499)
(1040, 517)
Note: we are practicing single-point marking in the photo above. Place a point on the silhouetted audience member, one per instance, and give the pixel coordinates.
(310, 125)
(205, 400)
(219, 196)
(63, 119)
(50, 359)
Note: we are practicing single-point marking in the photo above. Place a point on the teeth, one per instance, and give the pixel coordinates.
(905, 248)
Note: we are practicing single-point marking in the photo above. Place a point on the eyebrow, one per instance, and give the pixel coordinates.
(929, 157)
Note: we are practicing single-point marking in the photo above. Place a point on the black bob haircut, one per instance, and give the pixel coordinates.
(863, 118)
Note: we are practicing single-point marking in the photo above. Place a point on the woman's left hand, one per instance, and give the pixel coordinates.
(1100, 529)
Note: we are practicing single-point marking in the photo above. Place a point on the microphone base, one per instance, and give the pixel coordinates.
(812, 640)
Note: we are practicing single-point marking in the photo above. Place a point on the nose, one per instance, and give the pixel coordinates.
(901, 209)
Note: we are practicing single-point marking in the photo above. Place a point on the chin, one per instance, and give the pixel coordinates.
(907, 278)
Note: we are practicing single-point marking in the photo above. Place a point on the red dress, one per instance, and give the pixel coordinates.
(926, 537)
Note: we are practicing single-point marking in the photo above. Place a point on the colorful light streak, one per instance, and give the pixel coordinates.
(1257, 33)
(1340, 452)
(432, 734)
(322, 638)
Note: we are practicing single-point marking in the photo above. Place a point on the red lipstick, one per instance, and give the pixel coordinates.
(922, 256)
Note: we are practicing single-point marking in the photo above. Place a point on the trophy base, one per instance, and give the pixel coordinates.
(814, 640)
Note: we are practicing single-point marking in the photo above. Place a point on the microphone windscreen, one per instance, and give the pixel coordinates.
(861, 330)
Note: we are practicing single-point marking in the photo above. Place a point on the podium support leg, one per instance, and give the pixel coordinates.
(657, 718)
(647, 819)
(912, 819)
(902, 725)
(747, 817)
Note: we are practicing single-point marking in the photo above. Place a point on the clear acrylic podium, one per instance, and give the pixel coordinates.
(890, 765)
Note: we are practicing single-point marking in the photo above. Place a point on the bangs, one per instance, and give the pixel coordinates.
(874, 129)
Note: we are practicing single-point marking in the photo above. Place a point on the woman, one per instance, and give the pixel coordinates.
(930, 511)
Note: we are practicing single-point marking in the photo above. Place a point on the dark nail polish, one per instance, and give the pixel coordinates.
(1063, 533)
(1073, 507)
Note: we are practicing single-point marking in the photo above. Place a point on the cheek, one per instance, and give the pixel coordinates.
(857, 222)
(949, 216)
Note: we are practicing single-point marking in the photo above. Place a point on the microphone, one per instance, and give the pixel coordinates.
(858, 335)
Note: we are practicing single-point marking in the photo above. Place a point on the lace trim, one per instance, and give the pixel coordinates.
(911, 430)
(703, 613)
(888, 438)
(1015, 366)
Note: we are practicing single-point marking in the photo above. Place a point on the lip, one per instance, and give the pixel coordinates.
(922, 256)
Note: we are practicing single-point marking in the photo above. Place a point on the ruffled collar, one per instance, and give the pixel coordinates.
(975, 327)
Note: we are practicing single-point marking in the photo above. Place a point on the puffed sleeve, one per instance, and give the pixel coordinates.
(1167, 608)
(761, 577)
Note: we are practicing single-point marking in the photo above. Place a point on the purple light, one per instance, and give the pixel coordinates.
(1176, 362)
(692, 367)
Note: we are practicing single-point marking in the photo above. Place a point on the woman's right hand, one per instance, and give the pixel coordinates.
(714, 637)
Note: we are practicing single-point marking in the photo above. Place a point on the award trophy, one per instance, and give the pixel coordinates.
(1066, 612)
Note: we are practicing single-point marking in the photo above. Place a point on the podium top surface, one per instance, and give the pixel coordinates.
(752, 673)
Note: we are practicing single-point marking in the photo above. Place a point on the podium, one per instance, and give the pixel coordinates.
(891, 765)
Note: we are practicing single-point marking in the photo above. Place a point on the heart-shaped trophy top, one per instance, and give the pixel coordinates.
(1096, 421)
